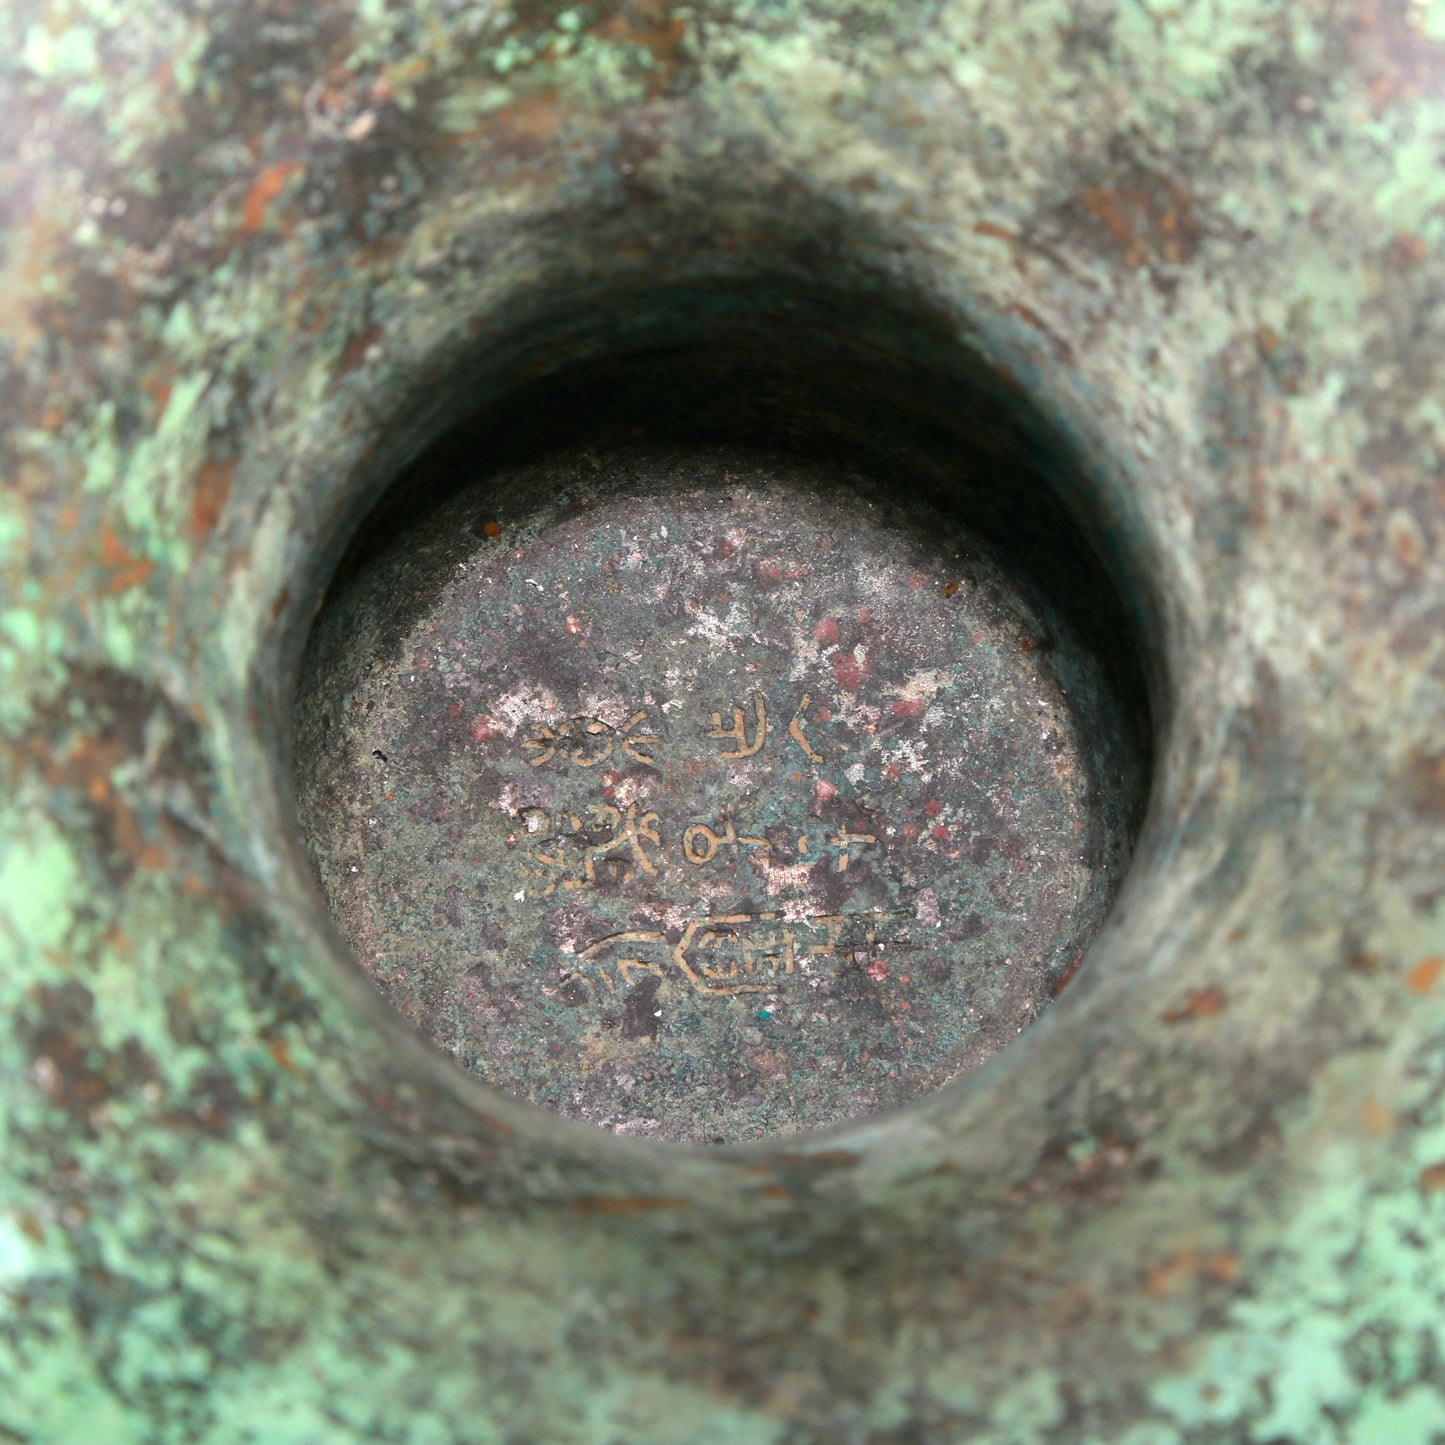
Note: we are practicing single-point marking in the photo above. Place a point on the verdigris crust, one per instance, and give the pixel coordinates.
(245, 253)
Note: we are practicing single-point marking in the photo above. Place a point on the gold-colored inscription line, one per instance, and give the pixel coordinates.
(738, 732)
(795, 730)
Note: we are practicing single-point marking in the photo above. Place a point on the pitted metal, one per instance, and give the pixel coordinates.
(707, 799)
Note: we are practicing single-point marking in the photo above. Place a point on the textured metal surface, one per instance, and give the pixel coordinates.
(256, 257)
(703, 798)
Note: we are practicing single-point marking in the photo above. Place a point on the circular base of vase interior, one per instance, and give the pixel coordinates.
(705, 794)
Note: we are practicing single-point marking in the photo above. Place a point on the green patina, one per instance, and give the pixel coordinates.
(1199, 1203)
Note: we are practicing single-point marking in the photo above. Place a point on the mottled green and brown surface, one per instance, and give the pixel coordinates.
(245, 247)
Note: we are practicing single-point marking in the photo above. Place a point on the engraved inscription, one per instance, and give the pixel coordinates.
(700, 843)
(740, 953)
(797, 733)
(615, 843)
(589, 742)
(747, 746)
(708, 814)
(607, 844)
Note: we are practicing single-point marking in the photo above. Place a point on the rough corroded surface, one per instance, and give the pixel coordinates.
(704, 798)
(244, 246)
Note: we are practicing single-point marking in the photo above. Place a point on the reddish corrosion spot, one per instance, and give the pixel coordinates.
(264, 189)
(1144, 217)
(1377, 1118)
(826, 632)
(1433, 1177)
(624, 1205)
(1027, 315)
(999, 233)
(357, 348)
(1067, 976)
(213, 486)
(651, 25)
(909, 707)
(848, 671)
(1423, 977)
(113, 552)
(484, 728)
(1426, 783)
(1199, 1003)
(127, 570)
(282, 1055)
(823, 1159)
(1407, 251)
(1191, 1266)
(1113, 210)
(949, 588)
(491, 529)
